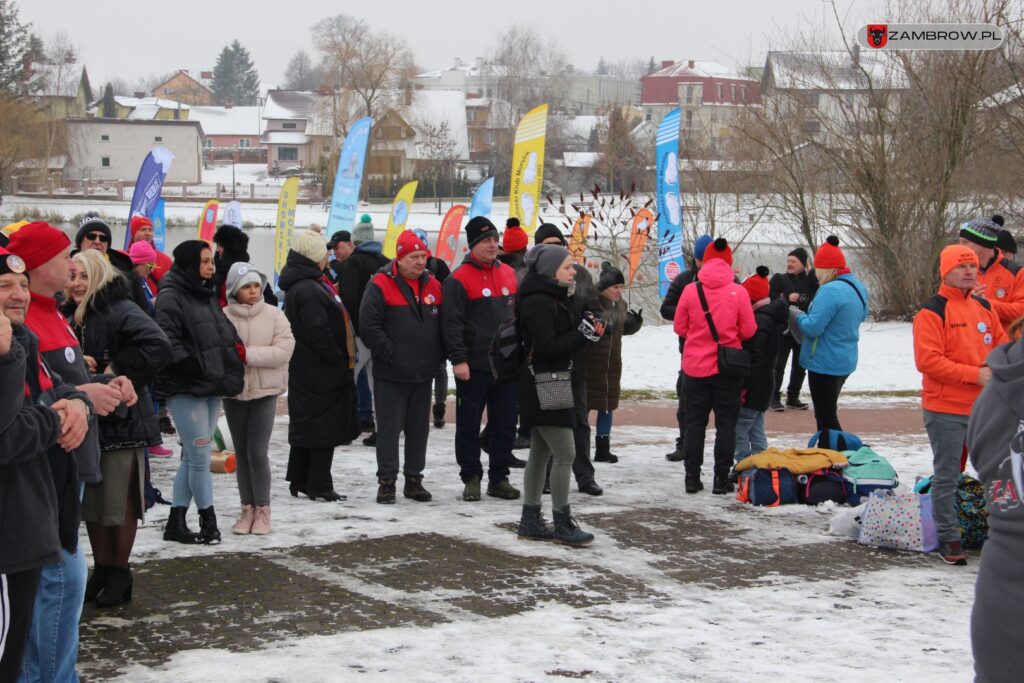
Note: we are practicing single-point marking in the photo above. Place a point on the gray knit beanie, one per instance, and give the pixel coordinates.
(544, 259)
(363, 232)
(242, 274)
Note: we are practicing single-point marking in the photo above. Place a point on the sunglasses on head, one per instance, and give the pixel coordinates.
(94, 236)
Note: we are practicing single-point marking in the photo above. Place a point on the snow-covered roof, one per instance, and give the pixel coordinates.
(831, 70)
(581, 159)
(298, 105)
(229, 120)
(54, 80)
(285, 137)
(140, 108)
(474, 68)
(432, 108)
(699, 69)
(1003, 97)
(580, 126)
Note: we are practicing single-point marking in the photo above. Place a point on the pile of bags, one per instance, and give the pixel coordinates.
(837, 467)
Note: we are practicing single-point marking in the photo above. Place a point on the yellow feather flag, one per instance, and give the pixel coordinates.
(285, 223)
(399, 216)
(528, 168)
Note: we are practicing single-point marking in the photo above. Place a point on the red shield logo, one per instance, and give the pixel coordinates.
(878, 35)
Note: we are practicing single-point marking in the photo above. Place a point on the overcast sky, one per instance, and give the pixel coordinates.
(131, 39)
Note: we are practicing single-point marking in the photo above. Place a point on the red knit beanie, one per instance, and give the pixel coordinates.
(757, 284)
(37, 243)
(830, 255)
(719, 249)
(514, 239)
(136, 224)
(408, 243)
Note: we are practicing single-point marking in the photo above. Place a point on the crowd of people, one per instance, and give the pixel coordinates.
(103, 353)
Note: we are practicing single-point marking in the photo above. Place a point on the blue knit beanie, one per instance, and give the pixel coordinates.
(700, 245)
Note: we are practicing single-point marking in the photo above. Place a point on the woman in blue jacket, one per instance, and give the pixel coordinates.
(831, 331)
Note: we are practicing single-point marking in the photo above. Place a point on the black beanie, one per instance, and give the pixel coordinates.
(188, 254)
(512, 222)
(801, 254)
(1006, 242)
(547, 230)
(478, 228)
(609, 277)
(232, 239)
(91, 222)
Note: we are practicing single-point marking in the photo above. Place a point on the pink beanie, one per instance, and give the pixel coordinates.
(142, 252)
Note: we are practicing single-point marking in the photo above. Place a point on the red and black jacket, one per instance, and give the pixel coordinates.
(477, 300)
(402, 328)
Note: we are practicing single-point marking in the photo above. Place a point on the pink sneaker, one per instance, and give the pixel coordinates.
(244, 523)
(160, 451)
(261, 521)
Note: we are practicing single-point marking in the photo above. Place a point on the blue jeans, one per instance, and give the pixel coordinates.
(604, 423)
(196, 419)
(750, 436)
(52, 649)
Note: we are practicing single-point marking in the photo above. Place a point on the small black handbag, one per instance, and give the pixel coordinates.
(731, 362)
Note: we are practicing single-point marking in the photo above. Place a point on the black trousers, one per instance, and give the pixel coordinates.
(311, 468)
(716, 393)
(17, 600)
(500, 399)
(401, 407)
(825, 397)
(796, 371)
(681, 410)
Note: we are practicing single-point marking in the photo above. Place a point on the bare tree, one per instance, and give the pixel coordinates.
(21, 134)
(436, 144)
(622, 163)
(528, 70)
(301, 73)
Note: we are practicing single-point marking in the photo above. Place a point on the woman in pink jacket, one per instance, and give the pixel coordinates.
(269, 343)
(706, 387)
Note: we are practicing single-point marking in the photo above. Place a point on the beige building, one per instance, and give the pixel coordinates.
(113, 149)
(182, 87)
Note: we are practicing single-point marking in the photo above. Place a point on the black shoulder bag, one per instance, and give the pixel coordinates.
(731, 362)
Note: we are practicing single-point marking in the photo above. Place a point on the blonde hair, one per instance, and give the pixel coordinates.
(826, 275)
(100, 272)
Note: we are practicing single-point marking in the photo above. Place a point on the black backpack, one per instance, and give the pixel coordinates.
(506, 351)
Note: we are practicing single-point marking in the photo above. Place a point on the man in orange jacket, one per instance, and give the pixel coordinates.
(953, 334)
(1000, 279)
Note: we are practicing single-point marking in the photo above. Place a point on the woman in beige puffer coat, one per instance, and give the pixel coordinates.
(268, 341)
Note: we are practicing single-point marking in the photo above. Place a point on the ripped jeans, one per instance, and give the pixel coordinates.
(196, 420)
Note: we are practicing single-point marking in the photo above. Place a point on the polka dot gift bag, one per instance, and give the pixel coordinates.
(899, 520)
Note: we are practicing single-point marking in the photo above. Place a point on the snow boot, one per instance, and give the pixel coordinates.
(532, 526)
(471, 492)
(243, 525)
(794, 403)
(502, 489)
(721, 485)
(414, 489)
(603, 449)
(439, 415)
(386, 491)
(166, 427)
(692, 482)
(208, 531)
(371, 440)
(177, 530)
(261, 520)
(96, 582)
(118, 589)
(567, 532)
(516, 463)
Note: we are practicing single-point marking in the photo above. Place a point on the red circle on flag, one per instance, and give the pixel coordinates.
(672, 270)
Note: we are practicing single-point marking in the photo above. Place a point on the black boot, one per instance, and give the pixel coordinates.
(793, 401)
(386, 491)
(208, 531)
(532, 526)
(721, 485)
(414, 489)
(96, 582)
(371, 440)
(692, 482)
(177, 530)
(776, 404)
(516, 463)
(603, 449)
(439, 415)
(118, 589)
(567, 532)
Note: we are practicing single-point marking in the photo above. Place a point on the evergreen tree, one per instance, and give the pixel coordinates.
(651, 66)
(108, 107)
(14, 45)
(235, 80)
(602, 67)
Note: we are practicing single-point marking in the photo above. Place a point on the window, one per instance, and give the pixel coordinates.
(289, 125)
(689, 118)
(719, 91)
(105, 162)
(810, 127)
(287, 153)
(208, 143)
(104, 138)
(732, 92)
(809, 99)
(244, 143)
(743, 92)
(689, 94)
(158, 138)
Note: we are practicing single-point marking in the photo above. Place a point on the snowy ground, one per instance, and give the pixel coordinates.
(711, 593)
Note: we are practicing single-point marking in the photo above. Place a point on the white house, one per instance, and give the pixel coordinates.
(113, 149)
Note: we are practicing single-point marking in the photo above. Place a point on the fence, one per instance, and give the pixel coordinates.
(121, 190)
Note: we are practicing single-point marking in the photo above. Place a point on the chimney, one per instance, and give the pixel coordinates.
(690, 64)
(206, 75)
(666, 63)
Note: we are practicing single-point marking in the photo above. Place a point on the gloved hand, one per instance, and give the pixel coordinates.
(588, 329)
(637, 317)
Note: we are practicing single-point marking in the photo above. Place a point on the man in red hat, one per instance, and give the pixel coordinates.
(45, 252)
(400, 322)
(953, 334)
(141, 229)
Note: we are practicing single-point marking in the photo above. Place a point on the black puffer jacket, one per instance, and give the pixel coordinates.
(321, 385)
(763, 347)
(360, 267)
(805, 285)
(118, 333)
(204, 358)
(551, 338)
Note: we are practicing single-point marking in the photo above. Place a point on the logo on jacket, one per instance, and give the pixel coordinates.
(69, 355)
(486, 292)
(1005, 491)
(430, 299)
(1000, 293)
